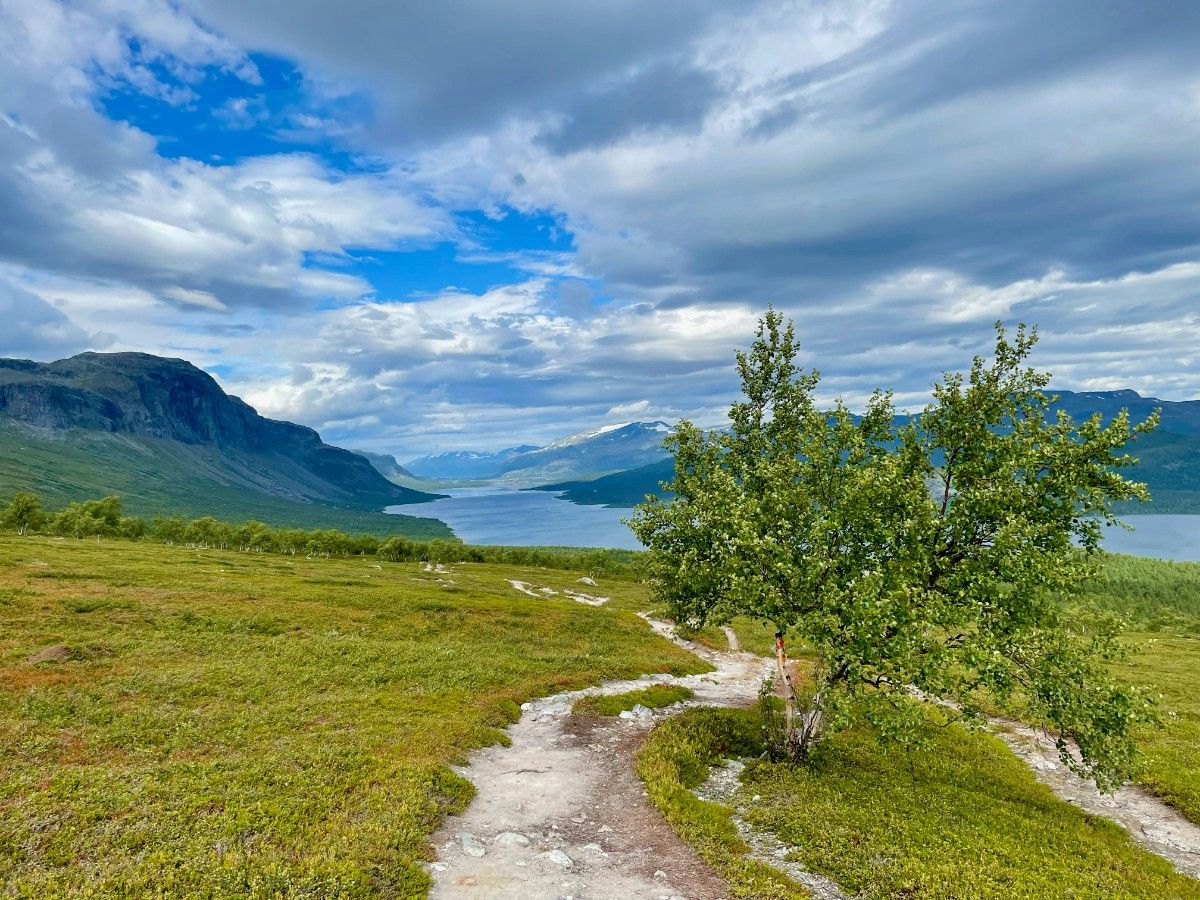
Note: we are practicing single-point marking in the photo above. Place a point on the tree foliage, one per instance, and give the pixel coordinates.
(103, 518)
(924, 554)
(24, 513)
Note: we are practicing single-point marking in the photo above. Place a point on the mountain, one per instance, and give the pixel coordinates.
(386, 465)
(622, 489)
(593, 452)
(1178, 416)
(465, 464)
(163, 433)
(1169, 457)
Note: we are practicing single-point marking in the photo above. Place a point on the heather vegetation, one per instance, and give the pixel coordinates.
(204, 722)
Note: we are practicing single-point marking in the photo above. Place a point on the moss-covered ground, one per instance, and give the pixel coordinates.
(221, 724)
(958, 816)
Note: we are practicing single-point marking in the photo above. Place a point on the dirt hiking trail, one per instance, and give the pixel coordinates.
(561, 813)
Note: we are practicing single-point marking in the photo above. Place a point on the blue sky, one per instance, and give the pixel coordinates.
(431, 226)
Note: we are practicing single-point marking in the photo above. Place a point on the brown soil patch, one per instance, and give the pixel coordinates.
(53, 653)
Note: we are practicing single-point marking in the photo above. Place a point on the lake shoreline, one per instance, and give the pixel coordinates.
(490, 514)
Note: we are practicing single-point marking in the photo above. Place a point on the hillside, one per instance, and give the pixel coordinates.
(1169, 457)
(162, 433)
(589, 453)
(385, 464)
(219, 724)
(623, 489)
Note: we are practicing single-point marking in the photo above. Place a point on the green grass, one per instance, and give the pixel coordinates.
(247, 725)
(656, 697)
(154, 481)
(960, 817)
(674, 759)
(753, 635)
(1153, 593)
(1169, 665)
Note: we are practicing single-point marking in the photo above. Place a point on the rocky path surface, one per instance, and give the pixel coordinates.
(560, 813)
(1153, 824)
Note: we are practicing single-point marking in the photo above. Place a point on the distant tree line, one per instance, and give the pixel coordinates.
(103, 518)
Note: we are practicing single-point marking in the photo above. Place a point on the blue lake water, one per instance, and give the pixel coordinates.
(1164, 537)
(491, 515)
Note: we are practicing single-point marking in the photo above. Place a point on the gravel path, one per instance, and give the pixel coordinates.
(561, 814)
(1153, 824)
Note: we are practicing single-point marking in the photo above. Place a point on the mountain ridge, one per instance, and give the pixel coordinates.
(589, 452)
(172, 421)
(1169, 457)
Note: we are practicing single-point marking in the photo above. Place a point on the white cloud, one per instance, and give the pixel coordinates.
(36, 328)
(85, 196)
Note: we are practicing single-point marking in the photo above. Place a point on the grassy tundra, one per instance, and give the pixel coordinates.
(229, 724)
(226, 724)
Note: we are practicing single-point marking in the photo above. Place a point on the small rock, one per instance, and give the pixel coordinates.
(558, 858)
(438, 867)
(604, 829)
(471, 845)
(53, 653)
(660, 875)
(511, 839)
(586, 580)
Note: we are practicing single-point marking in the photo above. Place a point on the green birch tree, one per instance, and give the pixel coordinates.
(925, 555)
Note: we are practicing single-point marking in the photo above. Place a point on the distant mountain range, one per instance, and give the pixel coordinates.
(590, 453)
(465, 464)
(1169, 457)
(1178, 416)
(165, 435)
(386, 465)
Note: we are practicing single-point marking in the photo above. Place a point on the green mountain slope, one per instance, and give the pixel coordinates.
(621, 489)
(161, 477)
(164, 435)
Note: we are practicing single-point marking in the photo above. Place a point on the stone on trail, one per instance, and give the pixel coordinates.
(639, 712)
(510, 839)
(558, 858)
(471, 845)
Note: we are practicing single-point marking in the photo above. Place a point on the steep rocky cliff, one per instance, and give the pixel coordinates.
(172, 401)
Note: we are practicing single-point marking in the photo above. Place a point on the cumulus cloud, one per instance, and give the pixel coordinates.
(896, 176)
(36, 329)
(83, 195)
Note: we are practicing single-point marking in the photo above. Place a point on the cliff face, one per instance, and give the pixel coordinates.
(172, 400)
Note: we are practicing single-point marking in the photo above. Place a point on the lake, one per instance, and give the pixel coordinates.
(493, 515)
(1163, 536)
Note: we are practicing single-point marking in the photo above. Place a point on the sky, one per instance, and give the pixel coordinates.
(429, 226)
